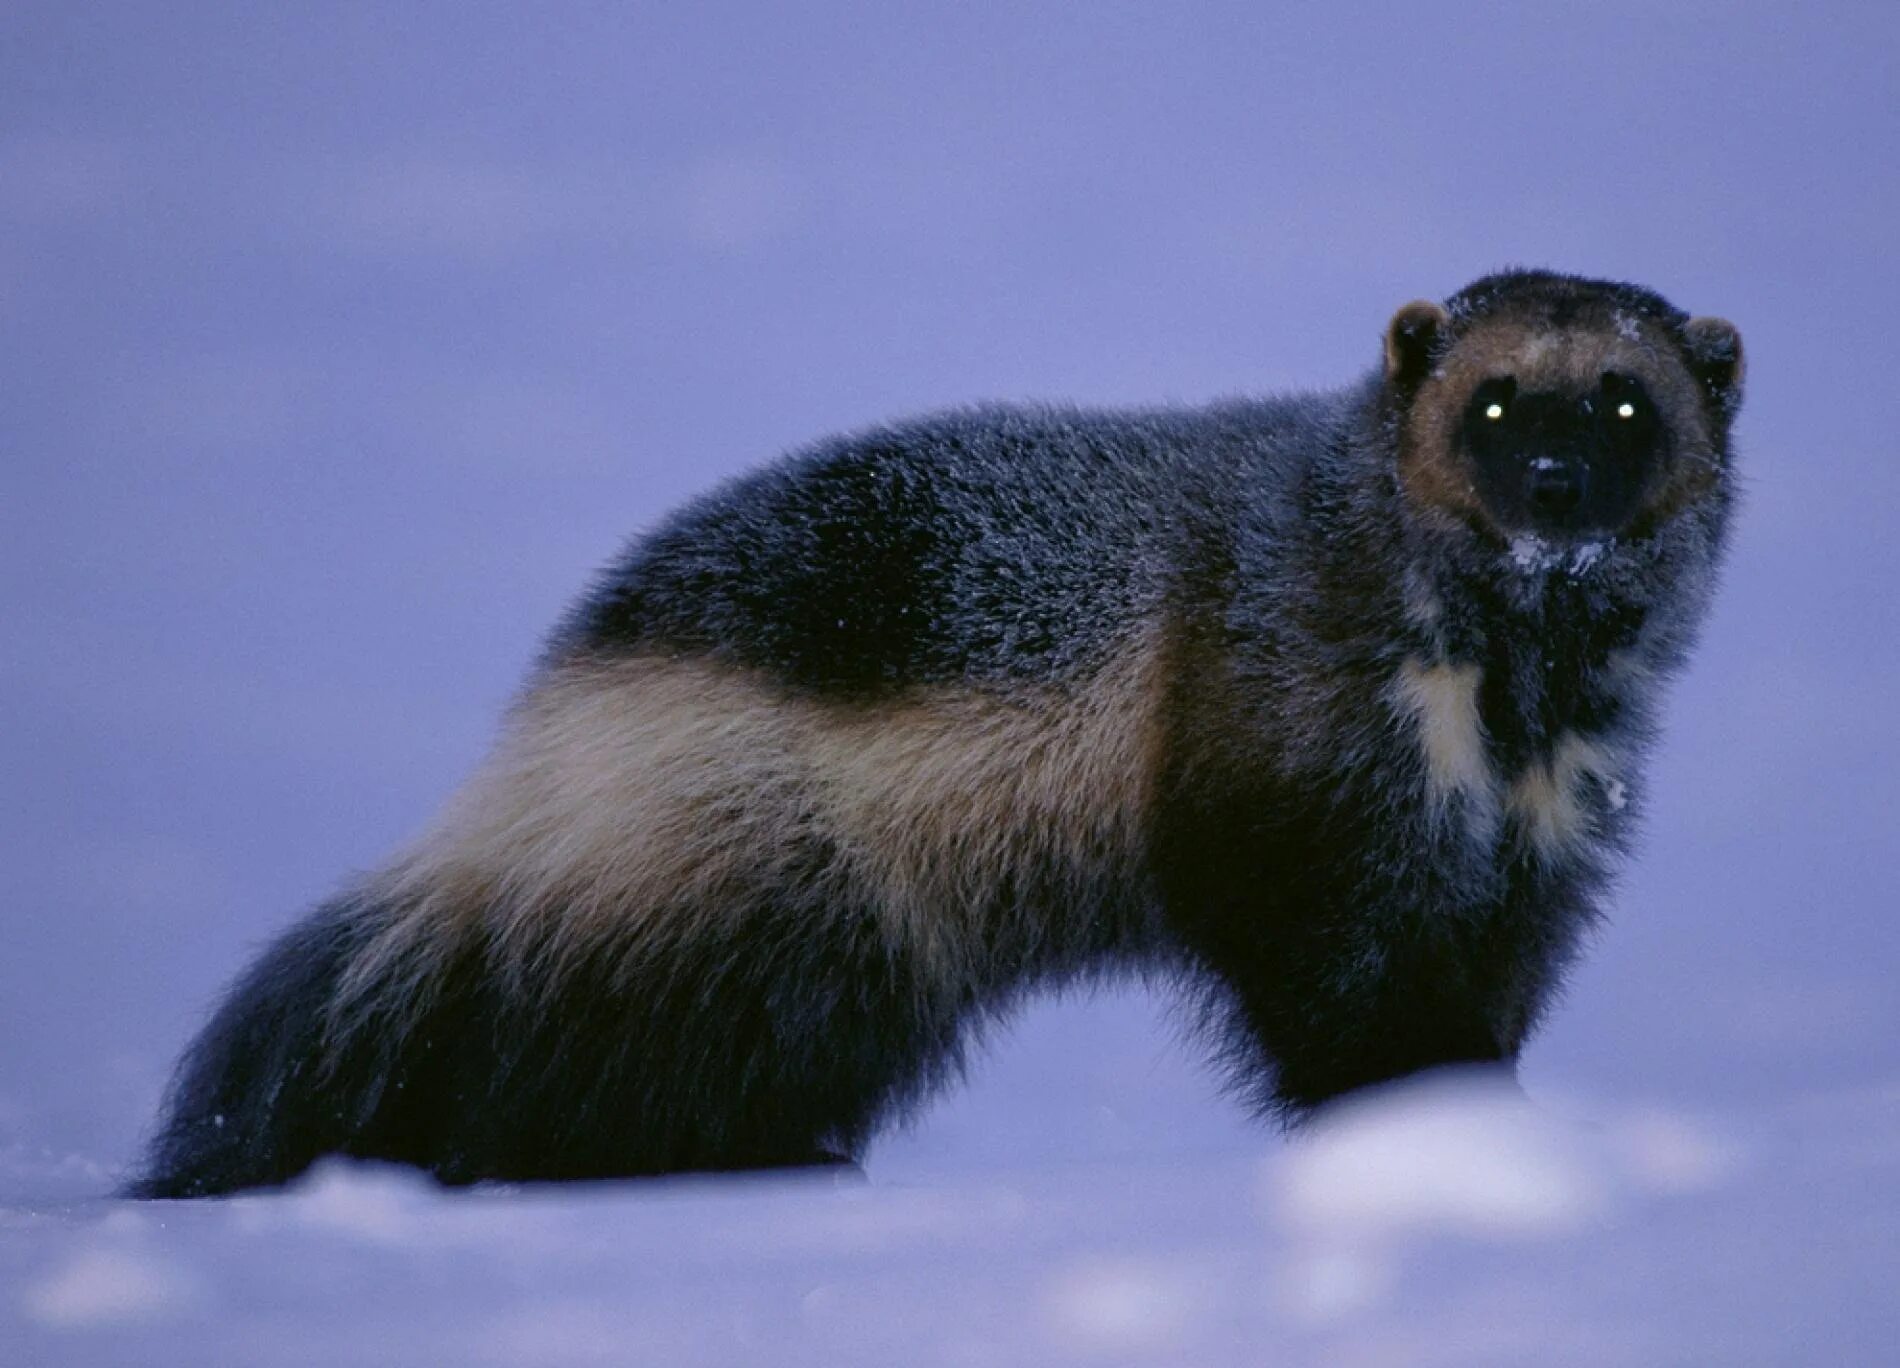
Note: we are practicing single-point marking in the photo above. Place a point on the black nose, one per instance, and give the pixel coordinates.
(1555, 487)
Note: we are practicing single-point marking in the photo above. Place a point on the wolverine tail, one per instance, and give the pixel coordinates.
(264, 1089)
(781, 1043)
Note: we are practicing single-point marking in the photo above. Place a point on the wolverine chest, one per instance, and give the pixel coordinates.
(1530, 762)
(1517, 710)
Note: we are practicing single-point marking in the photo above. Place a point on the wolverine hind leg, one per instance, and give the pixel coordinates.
(782, 1042)
(650, 935)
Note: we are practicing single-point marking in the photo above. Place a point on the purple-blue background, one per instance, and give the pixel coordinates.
(338, 346)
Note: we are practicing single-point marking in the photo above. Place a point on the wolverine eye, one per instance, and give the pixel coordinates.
(1491, 403)
(1623, 396)
(1629, 418)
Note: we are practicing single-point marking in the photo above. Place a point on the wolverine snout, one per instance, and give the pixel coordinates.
(1554, 487)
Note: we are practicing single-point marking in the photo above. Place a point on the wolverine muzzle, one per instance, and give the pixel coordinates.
(1554, 487)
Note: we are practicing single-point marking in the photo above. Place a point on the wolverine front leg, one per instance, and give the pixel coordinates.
(1332, 982)
(1340, 1007)
(1347, 944)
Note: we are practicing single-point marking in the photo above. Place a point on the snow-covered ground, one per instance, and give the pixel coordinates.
(338, 344)
(1450, 1222)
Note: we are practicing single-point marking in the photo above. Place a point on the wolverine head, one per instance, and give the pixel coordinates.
(1531, 404)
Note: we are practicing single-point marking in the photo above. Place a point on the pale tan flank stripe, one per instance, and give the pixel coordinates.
(649, 799)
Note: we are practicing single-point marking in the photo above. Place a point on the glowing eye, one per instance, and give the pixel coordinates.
(1496, 411)
(1626, 409)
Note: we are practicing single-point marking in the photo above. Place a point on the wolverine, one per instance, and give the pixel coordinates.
(1329, 709)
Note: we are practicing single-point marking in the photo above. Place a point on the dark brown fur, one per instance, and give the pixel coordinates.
(1281, 699)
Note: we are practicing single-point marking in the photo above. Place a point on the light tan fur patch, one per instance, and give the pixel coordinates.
(645, 800)
(1442, 697)
(1629, 668)
(1547, 800)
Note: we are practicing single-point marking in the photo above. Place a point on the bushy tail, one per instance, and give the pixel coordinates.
(783, 1043)
(258, 1095)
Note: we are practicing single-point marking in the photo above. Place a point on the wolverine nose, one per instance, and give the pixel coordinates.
(1555, 486)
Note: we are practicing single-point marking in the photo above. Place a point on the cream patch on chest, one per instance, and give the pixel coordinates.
(1549, 800)
(1442, 700)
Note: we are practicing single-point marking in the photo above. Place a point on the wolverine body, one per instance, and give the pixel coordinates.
(1328, 706)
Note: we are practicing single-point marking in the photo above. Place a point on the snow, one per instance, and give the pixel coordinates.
(1531, 554)
(102, 1286)
(1479, 1160)
(1122, 1304)
(1668, 1154)
(1451, 1220)
(331, 380)
(1586, 554)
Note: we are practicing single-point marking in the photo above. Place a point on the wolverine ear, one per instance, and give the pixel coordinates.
(1715, 355)
(1409, 341)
